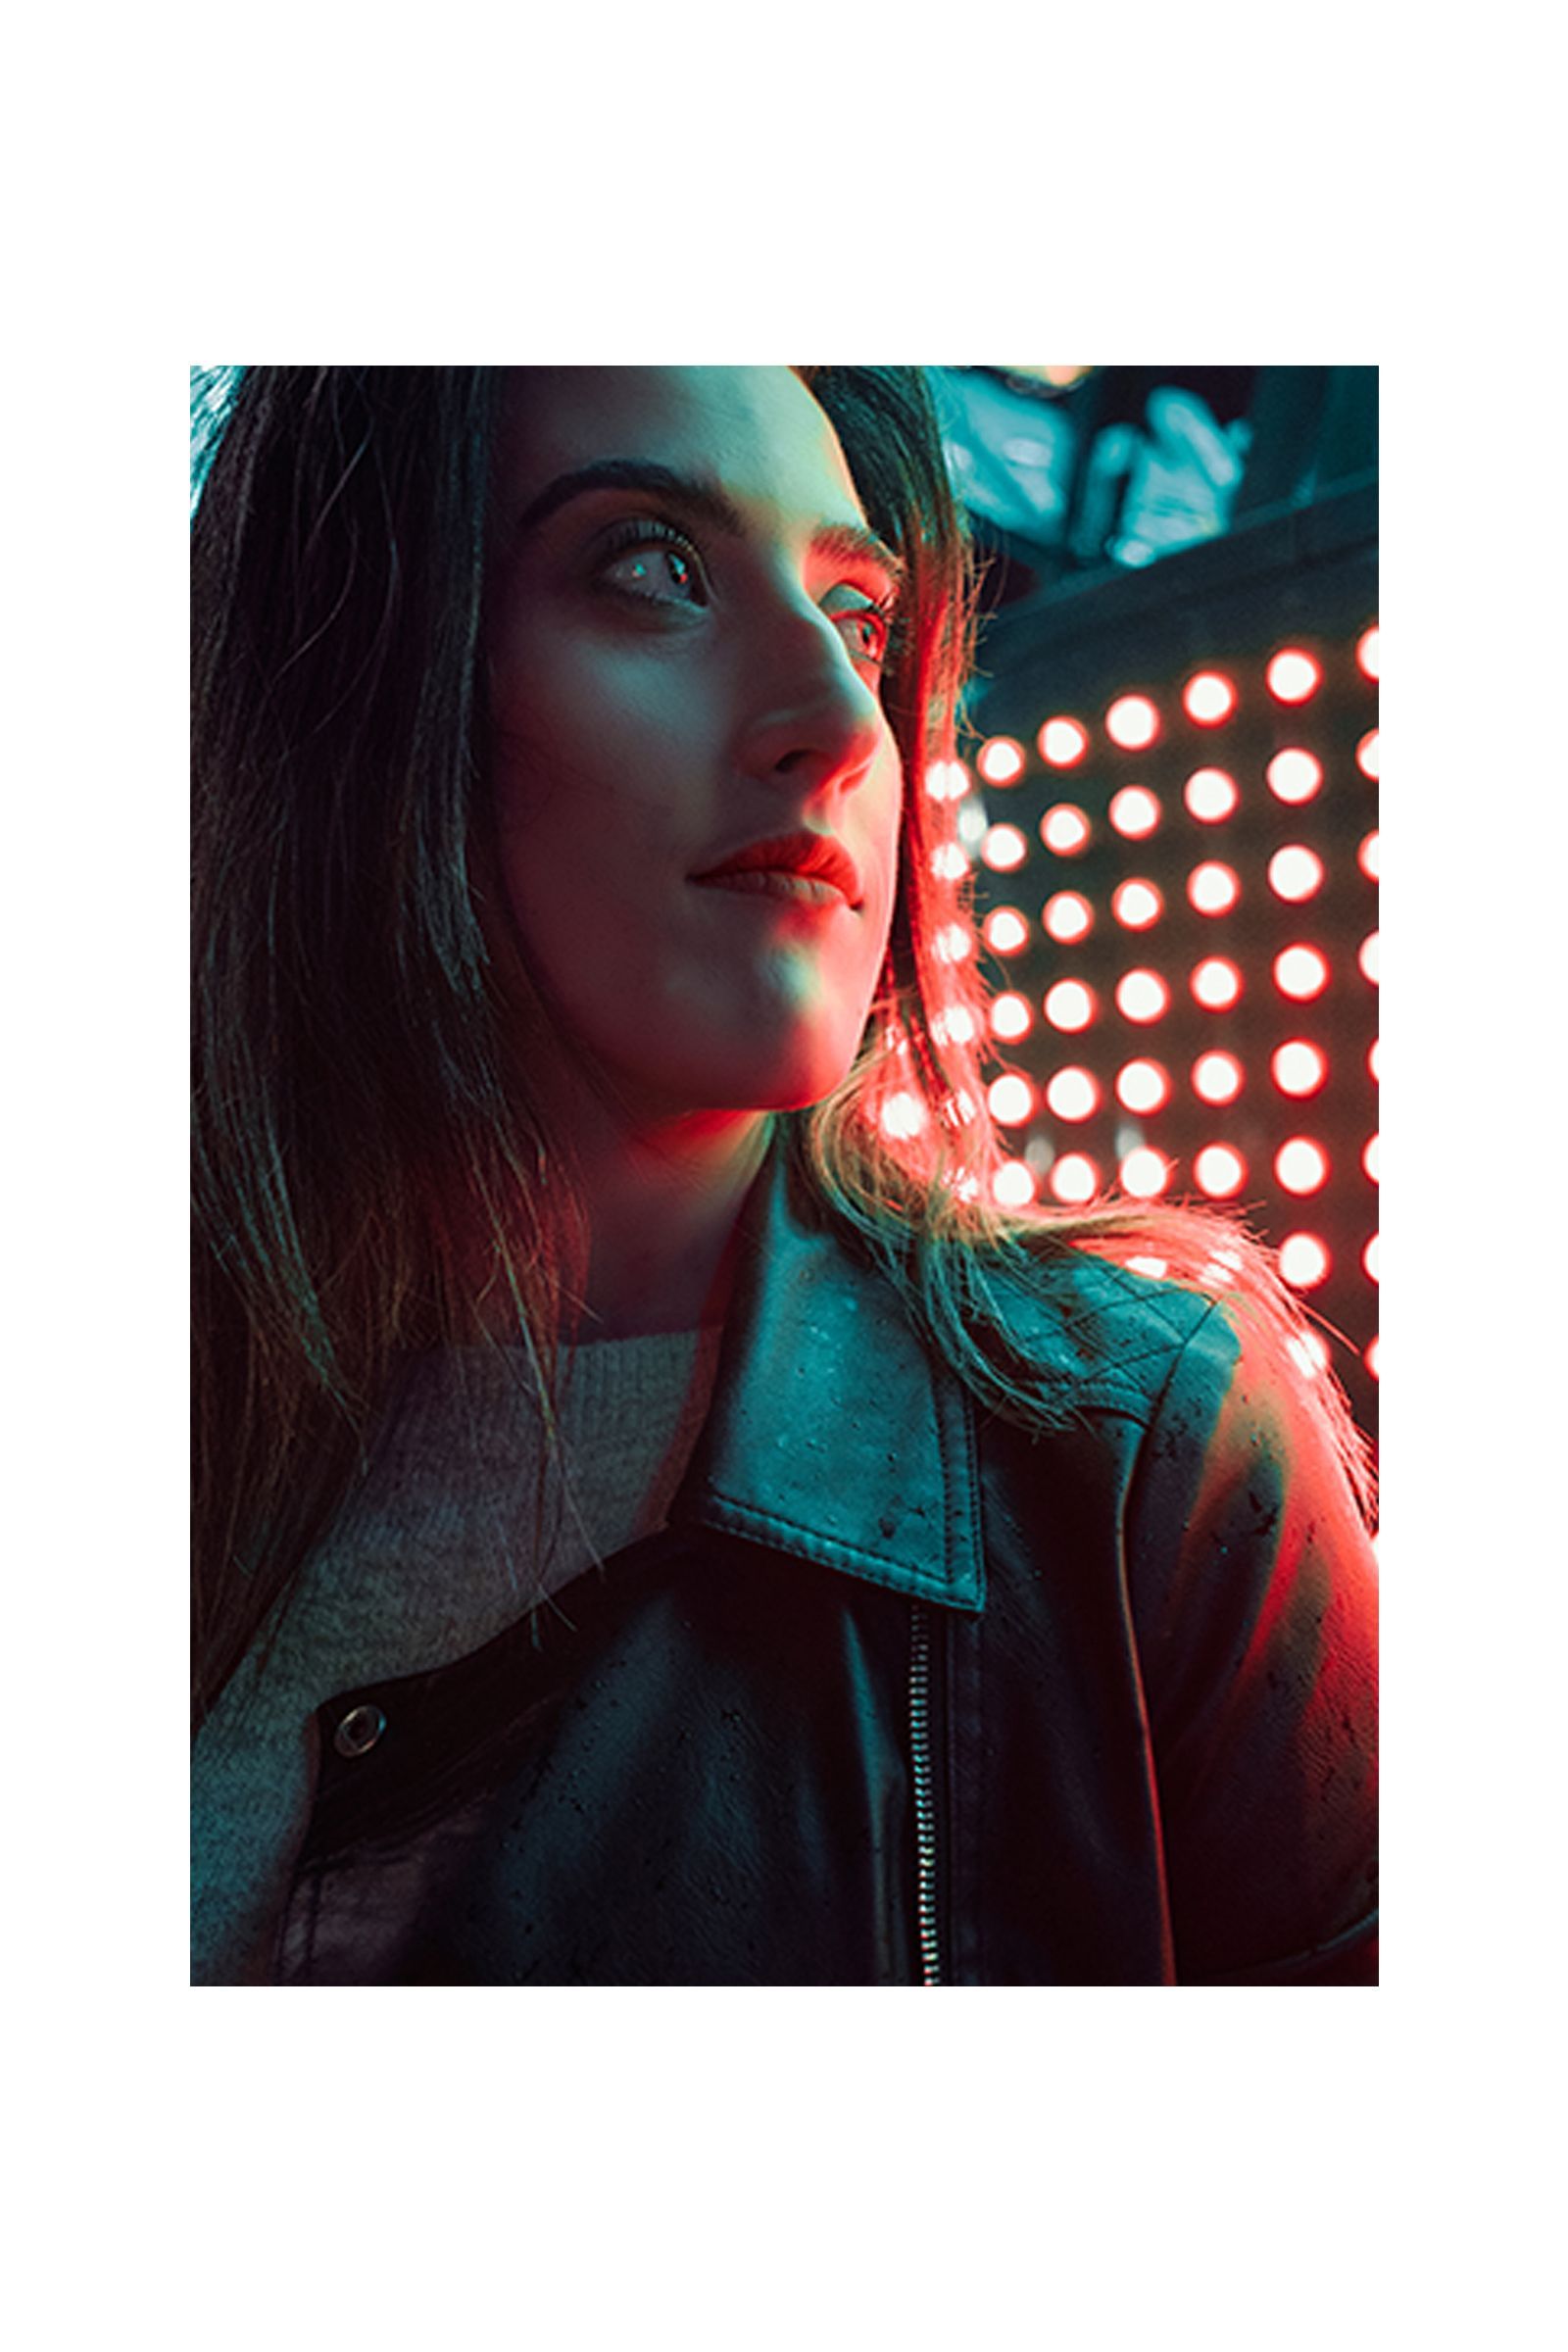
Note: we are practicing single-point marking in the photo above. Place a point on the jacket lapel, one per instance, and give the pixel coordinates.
(833, 1435)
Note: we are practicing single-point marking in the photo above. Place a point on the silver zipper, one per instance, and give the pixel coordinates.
(925, 1810)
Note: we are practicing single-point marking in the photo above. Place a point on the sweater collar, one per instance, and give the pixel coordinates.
(833, 1435)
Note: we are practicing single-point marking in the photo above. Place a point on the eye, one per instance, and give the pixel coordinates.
(868, 631)
(655, 562)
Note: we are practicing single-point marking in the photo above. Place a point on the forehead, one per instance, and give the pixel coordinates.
(755, 431)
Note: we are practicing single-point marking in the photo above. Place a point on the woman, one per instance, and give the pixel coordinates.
(658, 1521)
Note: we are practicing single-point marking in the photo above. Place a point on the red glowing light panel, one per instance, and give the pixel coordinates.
(1142, 1087)
(1216, 984)
(1062, 742)
(1210, 795)
(1292, 676)
(1213, 887)
(1132, 722)
(999, 760)
(1304, 1260)
(1228, 807)
(1300, 974)
(1145, 1172)
(1217, 1077)
(1075, 1179)
(1135, 812)
(1011, 1099)
(1136, 904)
(1068, 915)
(1142, 995)
(1065, 830)
(1073, 1094)
(1294, 775)
(1070, 1006)
(1004, 931)
(1299, 1066)
(1004, 847)
(1209, 699)
(1221, 1171)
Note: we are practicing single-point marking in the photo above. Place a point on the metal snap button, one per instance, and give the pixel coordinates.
(359, 1730)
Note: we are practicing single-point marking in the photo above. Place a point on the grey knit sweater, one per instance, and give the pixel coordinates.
(437, 1553)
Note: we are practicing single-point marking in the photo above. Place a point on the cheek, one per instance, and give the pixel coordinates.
(888, 833)
(592, 757)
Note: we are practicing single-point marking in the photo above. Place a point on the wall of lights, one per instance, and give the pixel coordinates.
(1176, 882)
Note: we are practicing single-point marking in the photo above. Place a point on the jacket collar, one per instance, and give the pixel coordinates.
(833, 1434)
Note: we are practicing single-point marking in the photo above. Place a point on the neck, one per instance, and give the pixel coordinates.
(662, 1205)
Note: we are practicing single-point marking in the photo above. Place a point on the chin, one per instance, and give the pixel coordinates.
(806, 1076)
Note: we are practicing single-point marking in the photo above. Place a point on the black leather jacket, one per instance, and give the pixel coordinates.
(901, 1694)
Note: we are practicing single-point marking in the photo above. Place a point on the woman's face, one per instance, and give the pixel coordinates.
(696, 791)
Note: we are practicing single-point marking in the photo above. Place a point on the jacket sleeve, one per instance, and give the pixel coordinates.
(1253, 1592)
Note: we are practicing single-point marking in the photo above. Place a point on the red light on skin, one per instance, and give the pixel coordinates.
(1304, 1260)
(1075, 1179)
(1366, 755)
(1369, 857)
(1209, 699)
(1142, 1087)
(1136, 905)
(1070, 1006)
(1213, 888)
(1216, 984)
(1220, 1171)
(1064, 829)
(1293, 675)
(1006, 931)
(999, 760)
(1293, 777)
(1145, 1172)
(1133, 812)
(1067, 916)
(1142, 995)
(1366, 652)
(1011, 1099)
(1300, 1165)
(1132, 722)
(1004, 847)
(1298, 1068)
(1210, 796)
(1216, 1077)
(1294, 873)
(1010, 1016)
(1072, 1094)
(1062, 742)
(1300, 974)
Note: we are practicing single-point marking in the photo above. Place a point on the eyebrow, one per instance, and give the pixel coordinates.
(847, 542)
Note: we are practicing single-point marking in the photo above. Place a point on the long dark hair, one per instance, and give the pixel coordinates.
(366, 1154)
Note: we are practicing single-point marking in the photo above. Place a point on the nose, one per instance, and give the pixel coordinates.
(812, 721)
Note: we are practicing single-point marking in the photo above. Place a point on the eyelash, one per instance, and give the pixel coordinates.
(649, 530)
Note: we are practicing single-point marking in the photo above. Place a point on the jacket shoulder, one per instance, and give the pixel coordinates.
(1107, 1335)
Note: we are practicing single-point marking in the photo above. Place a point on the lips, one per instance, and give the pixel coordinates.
(801, 857)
